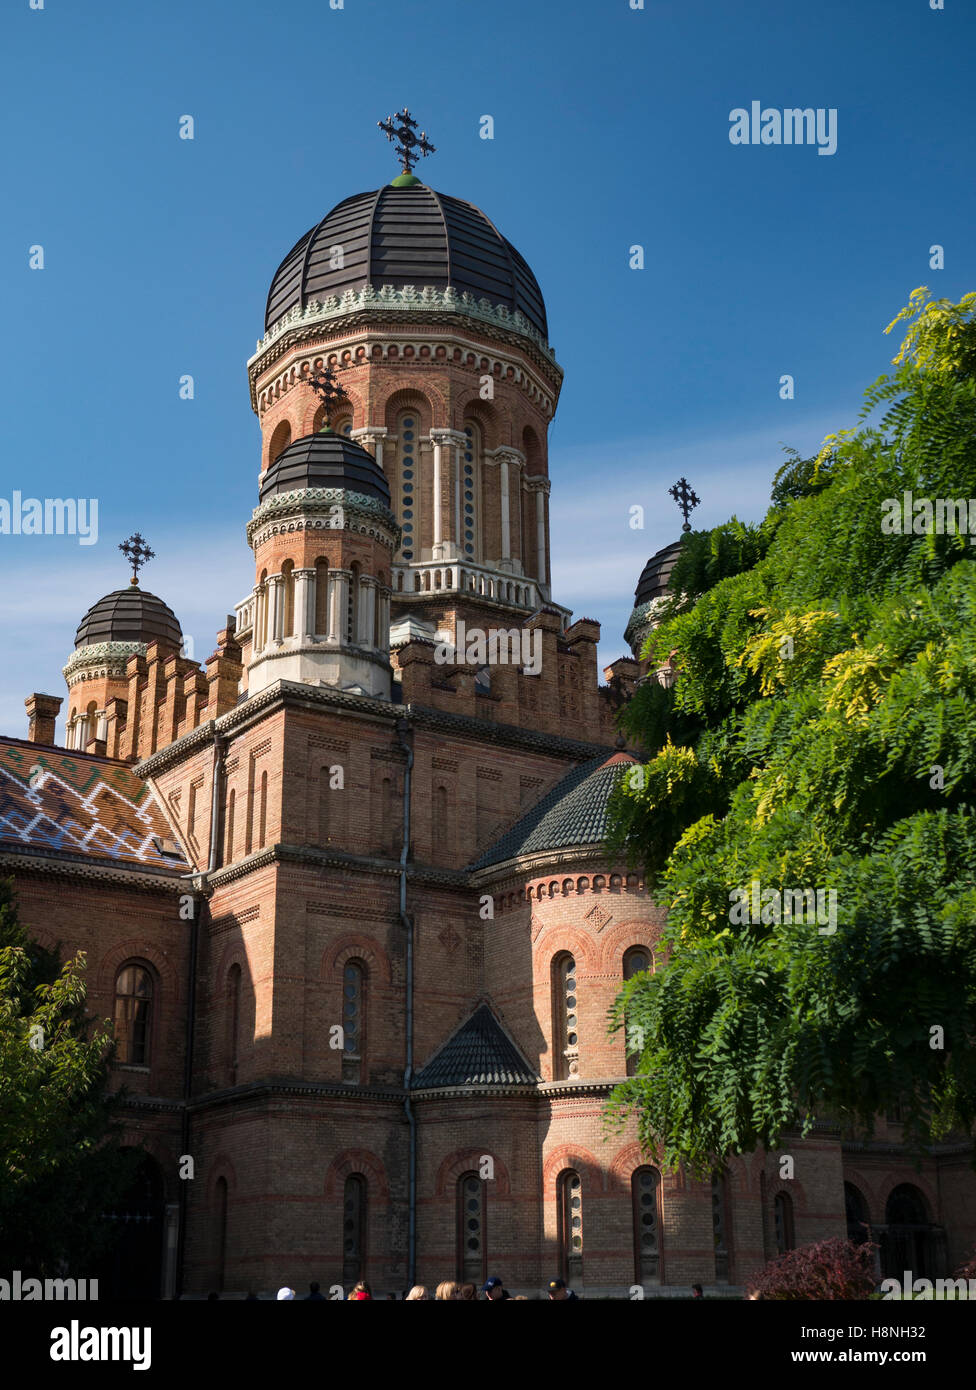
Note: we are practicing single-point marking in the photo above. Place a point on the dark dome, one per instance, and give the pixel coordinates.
(653, 582)
(129, 615)
(326, 459)
(406, 236)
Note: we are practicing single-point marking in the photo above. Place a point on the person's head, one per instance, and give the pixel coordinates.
(313, 1286)
(361, 1290)
(285, 1294)
(558, 1289)
(447, 1290)
(418, 1291)
(696, 1291)
(493, 1288)
(468, 1292)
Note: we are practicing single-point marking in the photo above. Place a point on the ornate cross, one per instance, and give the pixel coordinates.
(407, 139)
(686, 498)
(325, 384)
(137, 552)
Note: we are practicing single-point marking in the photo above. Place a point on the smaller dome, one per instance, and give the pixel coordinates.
(653, 582)
(129, 615)
(326, 459)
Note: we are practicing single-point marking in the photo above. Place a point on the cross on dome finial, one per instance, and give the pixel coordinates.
(137, 552)
(686, 498)
(325, 384)
(408, 141)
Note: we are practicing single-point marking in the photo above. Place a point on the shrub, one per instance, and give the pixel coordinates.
(827, 1269)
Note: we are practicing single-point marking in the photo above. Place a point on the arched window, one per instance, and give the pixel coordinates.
(569, 1191)
(133, 1014)
(408, 437)
(220, 1242)
(233, 1020)
(325, 806)
(783, 1222)
(565, 1037)
(353, 1228)
(352, 616)
(229, 831)
(472, 1250)
(636, 960)
(353, 1020)
(440, 819)
(288, 584)
(645, 1187)
(719, 1230)
(280, 440)
(263, 811)
(321, 597)
(470, 492)
(907, 1240)
(856, 1210)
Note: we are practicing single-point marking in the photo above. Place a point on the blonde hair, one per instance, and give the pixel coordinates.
(447, 1290)
(418, 1291)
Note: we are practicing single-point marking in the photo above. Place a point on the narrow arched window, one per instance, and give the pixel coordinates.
(353, 1020)
(325, 806)
(441, 821)
(645, 1187)
(783, 1222)
(133, 1014)
(191, 811)
(229, 831)
(636, 960)
(353, 1228)
(472, 1253)
(408, 451)
(280, 440)
(288, 584)
(233, 1020)
(352, 607)
(565, 1034)
(321, 597)
(470, 492)
(856, 1211)
(569, 1192)
(263, 811)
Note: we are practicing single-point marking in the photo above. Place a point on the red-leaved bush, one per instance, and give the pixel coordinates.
(968, 1270)
(829, 1269)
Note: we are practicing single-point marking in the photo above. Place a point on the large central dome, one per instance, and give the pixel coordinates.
(406, 236)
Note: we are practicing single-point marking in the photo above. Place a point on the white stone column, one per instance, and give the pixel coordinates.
(367, 611)
(259, 641)
(371, 438)
(382, 638)
(338, 603)
(101, 724)
(304, 604)
(506, 518)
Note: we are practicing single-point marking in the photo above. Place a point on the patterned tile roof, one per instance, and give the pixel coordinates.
(479, 1053)
(53, 800)
(573, 813)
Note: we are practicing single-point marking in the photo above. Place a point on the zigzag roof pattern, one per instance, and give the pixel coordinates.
(52, 801)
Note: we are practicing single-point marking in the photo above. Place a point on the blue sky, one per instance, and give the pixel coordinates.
(611, 128)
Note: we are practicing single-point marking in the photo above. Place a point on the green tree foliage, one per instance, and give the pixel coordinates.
(820, 734)
(60, 1163)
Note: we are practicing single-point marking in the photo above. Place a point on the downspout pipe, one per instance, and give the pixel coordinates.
(405, 742)
(199, 907)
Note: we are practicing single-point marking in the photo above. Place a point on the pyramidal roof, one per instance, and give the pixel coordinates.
(479, 1053)
(573, 814)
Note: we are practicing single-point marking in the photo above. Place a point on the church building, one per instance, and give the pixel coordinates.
(343, 886)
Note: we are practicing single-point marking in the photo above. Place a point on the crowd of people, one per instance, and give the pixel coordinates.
(492, 1290)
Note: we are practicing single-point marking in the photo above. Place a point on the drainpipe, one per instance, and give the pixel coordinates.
(199, 907)
(406, 745)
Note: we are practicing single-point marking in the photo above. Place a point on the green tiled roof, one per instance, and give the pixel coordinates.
(573, 813)
(479, 1053)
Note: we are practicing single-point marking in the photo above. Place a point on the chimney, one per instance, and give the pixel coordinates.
(42, 711)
